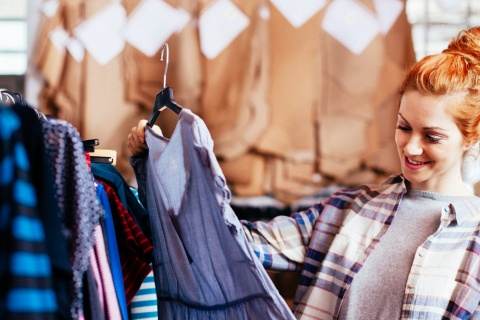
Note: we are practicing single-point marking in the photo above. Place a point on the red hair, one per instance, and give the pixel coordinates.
(454, 73)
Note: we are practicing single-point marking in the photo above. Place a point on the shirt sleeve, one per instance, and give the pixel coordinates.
(281, 244)
(139, 167)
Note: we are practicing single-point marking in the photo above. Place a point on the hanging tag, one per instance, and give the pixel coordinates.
(76, 49)
(351, 24)
(60, 38)
(219, 25)
(388, 12)
(297, 12)
(102, 34)
(50, 7)
(152, 23)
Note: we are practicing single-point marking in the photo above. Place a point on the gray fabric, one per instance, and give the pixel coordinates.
(77, 199)
(203, 266)
(378, 290)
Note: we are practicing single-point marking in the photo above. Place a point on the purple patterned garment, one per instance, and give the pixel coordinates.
(77, 198)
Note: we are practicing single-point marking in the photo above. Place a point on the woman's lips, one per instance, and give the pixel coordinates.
(414, 165)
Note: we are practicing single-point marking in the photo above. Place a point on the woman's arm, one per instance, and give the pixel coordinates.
(281, 244)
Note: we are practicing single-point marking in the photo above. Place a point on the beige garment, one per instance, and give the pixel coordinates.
(246, 174)
(288, 189)
(399, 56)
(372, 79)
(234, 104)
(343, 143)
(88, 95)
(293, 85)
(144, 75)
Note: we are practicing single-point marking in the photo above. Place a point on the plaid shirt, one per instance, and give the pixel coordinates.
(331, 241)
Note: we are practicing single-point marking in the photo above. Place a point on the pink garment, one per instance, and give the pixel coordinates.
(103, 275)
(98, 278)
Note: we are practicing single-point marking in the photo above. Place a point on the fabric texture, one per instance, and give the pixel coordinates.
(204, 268)
(77, 198)
(134, 248)
(48, 210)
(144, 304)
(377, 290)
(112, 250)
(332, 240)
(107, 173)
(26, 290)
(103, 274)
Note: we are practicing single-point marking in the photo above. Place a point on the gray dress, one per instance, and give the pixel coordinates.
(203, 265)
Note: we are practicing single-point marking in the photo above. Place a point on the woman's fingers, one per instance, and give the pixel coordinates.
(136, 137)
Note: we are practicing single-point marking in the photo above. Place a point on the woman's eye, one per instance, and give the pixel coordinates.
(433, 139)
(403, 128)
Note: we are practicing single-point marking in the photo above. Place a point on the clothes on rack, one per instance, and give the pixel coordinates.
(70, 248)
(203, 265)
(25, 272)
(113, 249)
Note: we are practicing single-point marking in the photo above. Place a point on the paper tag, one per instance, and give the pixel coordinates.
(264, 12)
(152, 23)
(351, 24)
(183, 18)
(76, 49)
(50, 7)
(101, 35)
(59, 38)
(388, 12)
(219, 25)
(297, 12)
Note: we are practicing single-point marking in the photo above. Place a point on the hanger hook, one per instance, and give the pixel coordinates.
(165, 46)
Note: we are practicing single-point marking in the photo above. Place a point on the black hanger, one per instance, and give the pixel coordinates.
(164, 99)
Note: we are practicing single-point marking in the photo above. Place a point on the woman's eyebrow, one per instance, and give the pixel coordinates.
(424, 128)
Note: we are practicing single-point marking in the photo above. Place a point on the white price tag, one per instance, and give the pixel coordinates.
(297, 12)
(102, 34)
(152, 23)
(219, 25)
(59, 38)
(76, 49)
(351, 24)
(50, 7)
(388, 12)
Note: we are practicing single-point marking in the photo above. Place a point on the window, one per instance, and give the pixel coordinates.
(13, 37)
(435, 22)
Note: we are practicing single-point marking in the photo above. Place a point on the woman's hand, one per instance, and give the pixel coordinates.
(136, 138)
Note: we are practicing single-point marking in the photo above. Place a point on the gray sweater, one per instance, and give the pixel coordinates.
(377, 290)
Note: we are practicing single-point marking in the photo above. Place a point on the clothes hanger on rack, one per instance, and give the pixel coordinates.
(164, 99)
(15, 99)
(99, 155)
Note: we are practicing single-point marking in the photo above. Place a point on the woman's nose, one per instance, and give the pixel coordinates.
(413, 147)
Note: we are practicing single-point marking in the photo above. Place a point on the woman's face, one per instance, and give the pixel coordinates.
(429, 144)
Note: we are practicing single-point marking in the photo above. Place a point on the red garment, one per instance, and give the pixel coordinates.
(136, 251)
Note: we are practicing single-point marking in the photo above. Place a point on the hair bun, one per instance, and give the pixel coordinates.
(466, 45)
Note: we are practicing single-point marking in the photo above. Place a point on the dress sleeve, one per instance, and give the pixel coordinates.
(281, 244)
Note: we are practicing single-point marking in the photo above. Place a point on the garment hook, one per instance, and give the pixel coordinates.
(165, 46)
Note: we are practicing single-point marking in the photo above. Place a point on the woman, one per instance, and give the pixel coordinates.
(408, 248)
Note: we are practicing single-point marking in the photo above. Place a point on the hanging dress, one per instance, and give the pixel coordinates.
(203, 265)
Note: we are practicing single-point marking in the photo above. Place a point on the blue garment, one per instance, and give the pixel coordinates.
(107, 173)
(203, 265)
(112, 249)
(144, 304)
(26, 289)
